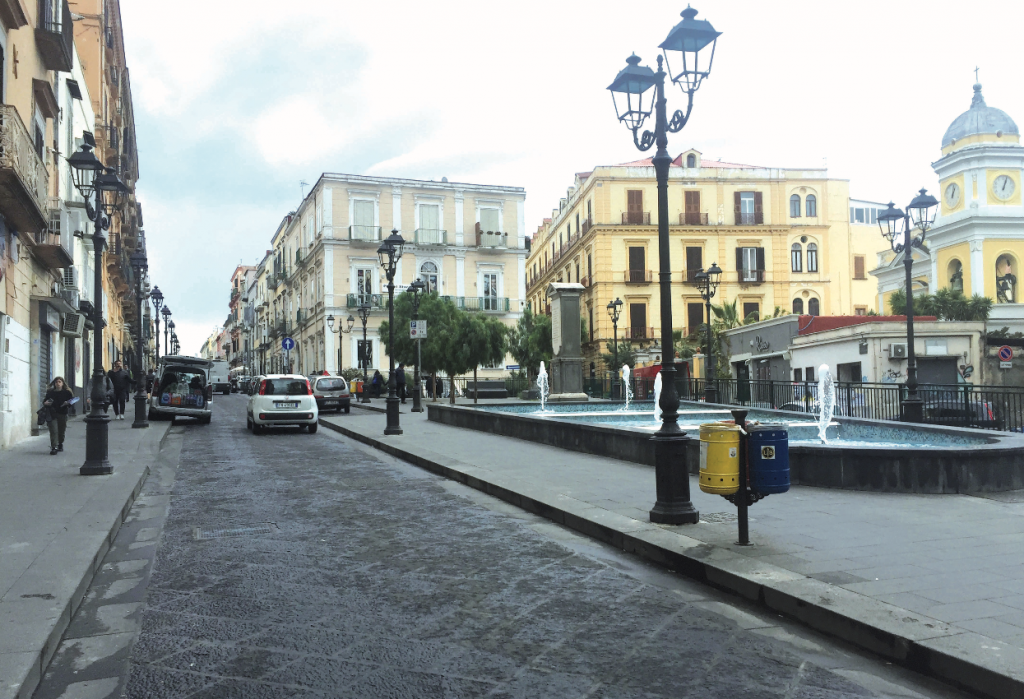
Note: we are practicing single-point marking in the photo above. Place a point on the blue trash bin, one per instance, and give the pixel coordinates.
(768, 458)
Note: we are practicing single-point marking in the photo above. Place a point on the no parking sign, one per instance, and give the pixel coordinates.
(1005, 357)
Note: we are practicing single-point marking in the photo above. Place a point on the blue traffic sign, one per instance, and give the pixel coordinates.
(1005, 353)
(287, 344)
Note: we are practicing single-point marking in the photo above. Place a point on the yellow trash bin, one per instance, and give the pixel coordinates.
(719, 458)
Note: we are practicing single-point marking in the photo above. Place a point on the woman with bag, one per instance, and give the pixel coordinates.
(56, 401)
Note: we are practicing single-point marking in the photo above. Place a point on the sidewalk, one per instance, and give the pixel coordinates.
(55, 527)
(934, 582)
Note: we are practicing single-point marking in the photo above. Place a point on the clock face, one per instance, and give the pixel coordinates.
(1003, 187)
(952, 195)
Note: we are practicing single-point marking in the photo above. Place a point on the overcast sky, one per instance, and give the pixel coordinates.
(237, 101)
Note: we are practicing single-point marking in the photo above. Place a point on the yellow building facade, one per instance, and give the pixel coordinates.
(783, 237)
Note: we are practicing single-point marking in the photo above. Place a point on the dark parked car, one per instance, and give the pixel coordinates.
(331, 393)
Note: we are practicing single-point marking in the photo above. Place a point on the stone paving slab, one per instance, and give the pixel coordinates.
(55, 528)
(934, 582)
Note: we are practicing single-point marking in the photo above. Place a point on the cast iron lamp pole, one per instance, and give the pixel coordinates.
(389, 253)
(170, 327)
(634, 83)
(707, 283)
(139, 266)
(364, 315)
(898, 228)
(342, 331)
(416, 287)
(157, 297)
(167, 319)
(614, 309)
(92, 179)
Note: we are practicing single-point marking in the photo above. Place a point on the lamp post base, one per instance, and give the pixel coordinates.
(393, 426)
(912, 410)
(141, 407)
(96, 461)
(672, 481)
(710, 394)
(417, 403)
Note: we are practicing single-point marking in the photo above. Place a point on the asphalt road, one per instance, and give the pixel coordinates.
(298, 565)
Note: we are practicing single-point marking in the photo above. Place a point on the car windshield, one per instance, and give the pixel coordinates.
(182, 386)
(285, 387)
(330, 385)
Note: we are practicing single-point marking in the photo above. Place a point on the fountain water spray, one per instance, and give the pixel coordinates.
(826, 400)
(657, 397)
(627, 389)
(542, 385)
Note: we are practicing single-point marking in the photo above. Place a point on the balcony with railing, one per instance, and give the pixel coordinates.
(23, 176)
(636, 218)
(640, 333)
(490, 304)
(690, 275)
(749, 218)
(491, 239)
(53, 244)
(586, 226)
(55, 35)
(693, 218)
(430, 236)
(751, 276)
(364, 234)
(377, 302)
(638, 276)
(301, 254)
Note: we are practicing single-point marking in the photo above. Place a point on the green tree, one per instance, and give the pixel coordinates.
(529, 342)
(433, 309)
(487, 339)
(945, 304)
(626, 355)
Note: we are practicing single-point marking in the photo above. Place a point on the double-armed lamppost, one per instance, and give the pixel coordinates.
(92, 179)
(157, 297)
(415, 288)
(364, 354)
(342, 331)
(139, 265)
(614, 311)
(707, 283)
(636, 92)
(899, 228)
(389, 253)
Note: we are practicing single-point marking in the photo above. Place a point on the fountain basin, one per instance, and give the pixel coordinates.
(862, 454)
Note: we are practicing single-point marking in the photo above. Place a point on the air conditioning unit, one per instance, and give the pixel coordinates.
(74, 323)
(70, 278)
(898, 350)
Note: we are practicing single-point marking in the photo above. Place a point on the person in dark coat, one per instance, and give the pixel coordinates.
(150, 380)
(122, 382)
(400, 381)
(56, 401)
(377, 382)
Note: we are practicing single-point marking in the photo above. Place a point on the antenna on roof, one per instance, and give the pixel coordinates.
(302, 188)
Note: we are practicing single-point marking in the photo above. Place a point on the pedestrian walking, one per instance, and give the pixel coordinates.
(400, 381)
(56, 403)
(377, 382)
(121, 381)
(150, 380)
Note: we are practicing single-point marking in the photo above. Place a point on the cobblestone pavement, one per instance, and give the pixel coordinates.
(298, 565)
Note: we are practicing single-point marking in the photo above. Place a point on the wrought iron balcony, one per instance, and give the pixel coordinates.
(751, 276)
(585, 226)
(492, 239)
(636, 218)
(749, 218)
(300, 255)
(55, 35)
(638, 276)
(376, 302)
(491, 304)
(690, 275)
(53, 244)
(364, 233)
(639, 333)
(23, 177)
(693, 218)
(430, 236)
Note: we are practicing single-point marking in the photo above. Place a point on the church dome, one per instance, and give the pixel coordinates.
(979, 119)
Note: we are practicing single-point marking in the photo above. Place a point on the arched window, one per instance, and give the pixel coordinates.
(691, 160)
(428, 273)
(955, 272)
(813, 307)
(812, 257)
(1006, 279)
(796, 258)
(794, 206)
(812, 205)
(798, 306)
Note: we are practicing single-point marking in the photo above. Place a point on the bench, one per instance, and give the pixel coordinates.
(486, 389)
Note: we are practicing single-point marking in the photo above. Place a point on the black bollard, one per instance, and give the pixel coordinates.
(740, 416)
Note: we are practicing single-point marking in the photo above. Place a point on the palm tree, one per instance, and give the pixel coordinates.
(727, 316)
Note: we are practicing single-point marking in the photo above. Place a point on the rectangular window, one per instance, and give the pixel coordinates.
(490, 301)
(362, 220)
(637, 321)
(590, 214)
(858, 267)
(694, 317)
(694, 262)
(750, 264)
(364, 285)
(365, 353)
(751, 309)
(634, 207)
(749, 208)
(812, 258)
(858, 215)
(809, 373)
(691, 205)
(746, 202)
(489, 221)
(590, 270)
(637, 265)
(796, 258)
(860, 311)
(590, 325)
(798, 374)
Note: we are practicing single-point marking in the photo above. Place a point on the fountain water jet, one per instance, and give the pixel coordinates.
(627, 389)
(657, 397)
(826, 400)
(542, 386)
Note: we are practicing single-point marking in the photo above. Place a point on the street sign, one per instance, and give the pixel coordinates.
(287, 344)
(418, 329)
(512, 367)
(1005, 353)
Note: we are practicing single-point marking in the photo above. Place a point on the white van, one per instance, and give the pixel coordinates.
(182, 389)
(220, 376)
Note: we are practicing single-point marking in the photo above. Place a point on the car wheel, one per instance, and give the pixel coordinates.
(152, 416)
(257, 429)
(312, 428)
(347, 410)
(248, 422)
(205, 420)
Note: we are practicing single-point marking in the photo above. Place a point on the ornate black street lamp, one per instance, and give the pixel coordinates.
(167, 319)
(415, 288)
(169, 327)
(342, 331)
(139, 267)
(157, 297)
(175, 344)
(707, 283)
(93, 180)
(364, 359)
(636, 92)
(614, 311)
(389, 253)
(899, 228)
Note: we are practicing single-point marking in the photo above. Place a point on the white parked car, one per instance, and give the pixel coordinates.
(282, 399)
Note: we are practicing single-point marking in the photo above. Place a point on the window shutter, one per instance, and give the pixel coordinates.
(739, 259)
(757, 203)
(760, 259)
(736, 200)
(858, 267)
(636, 259)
